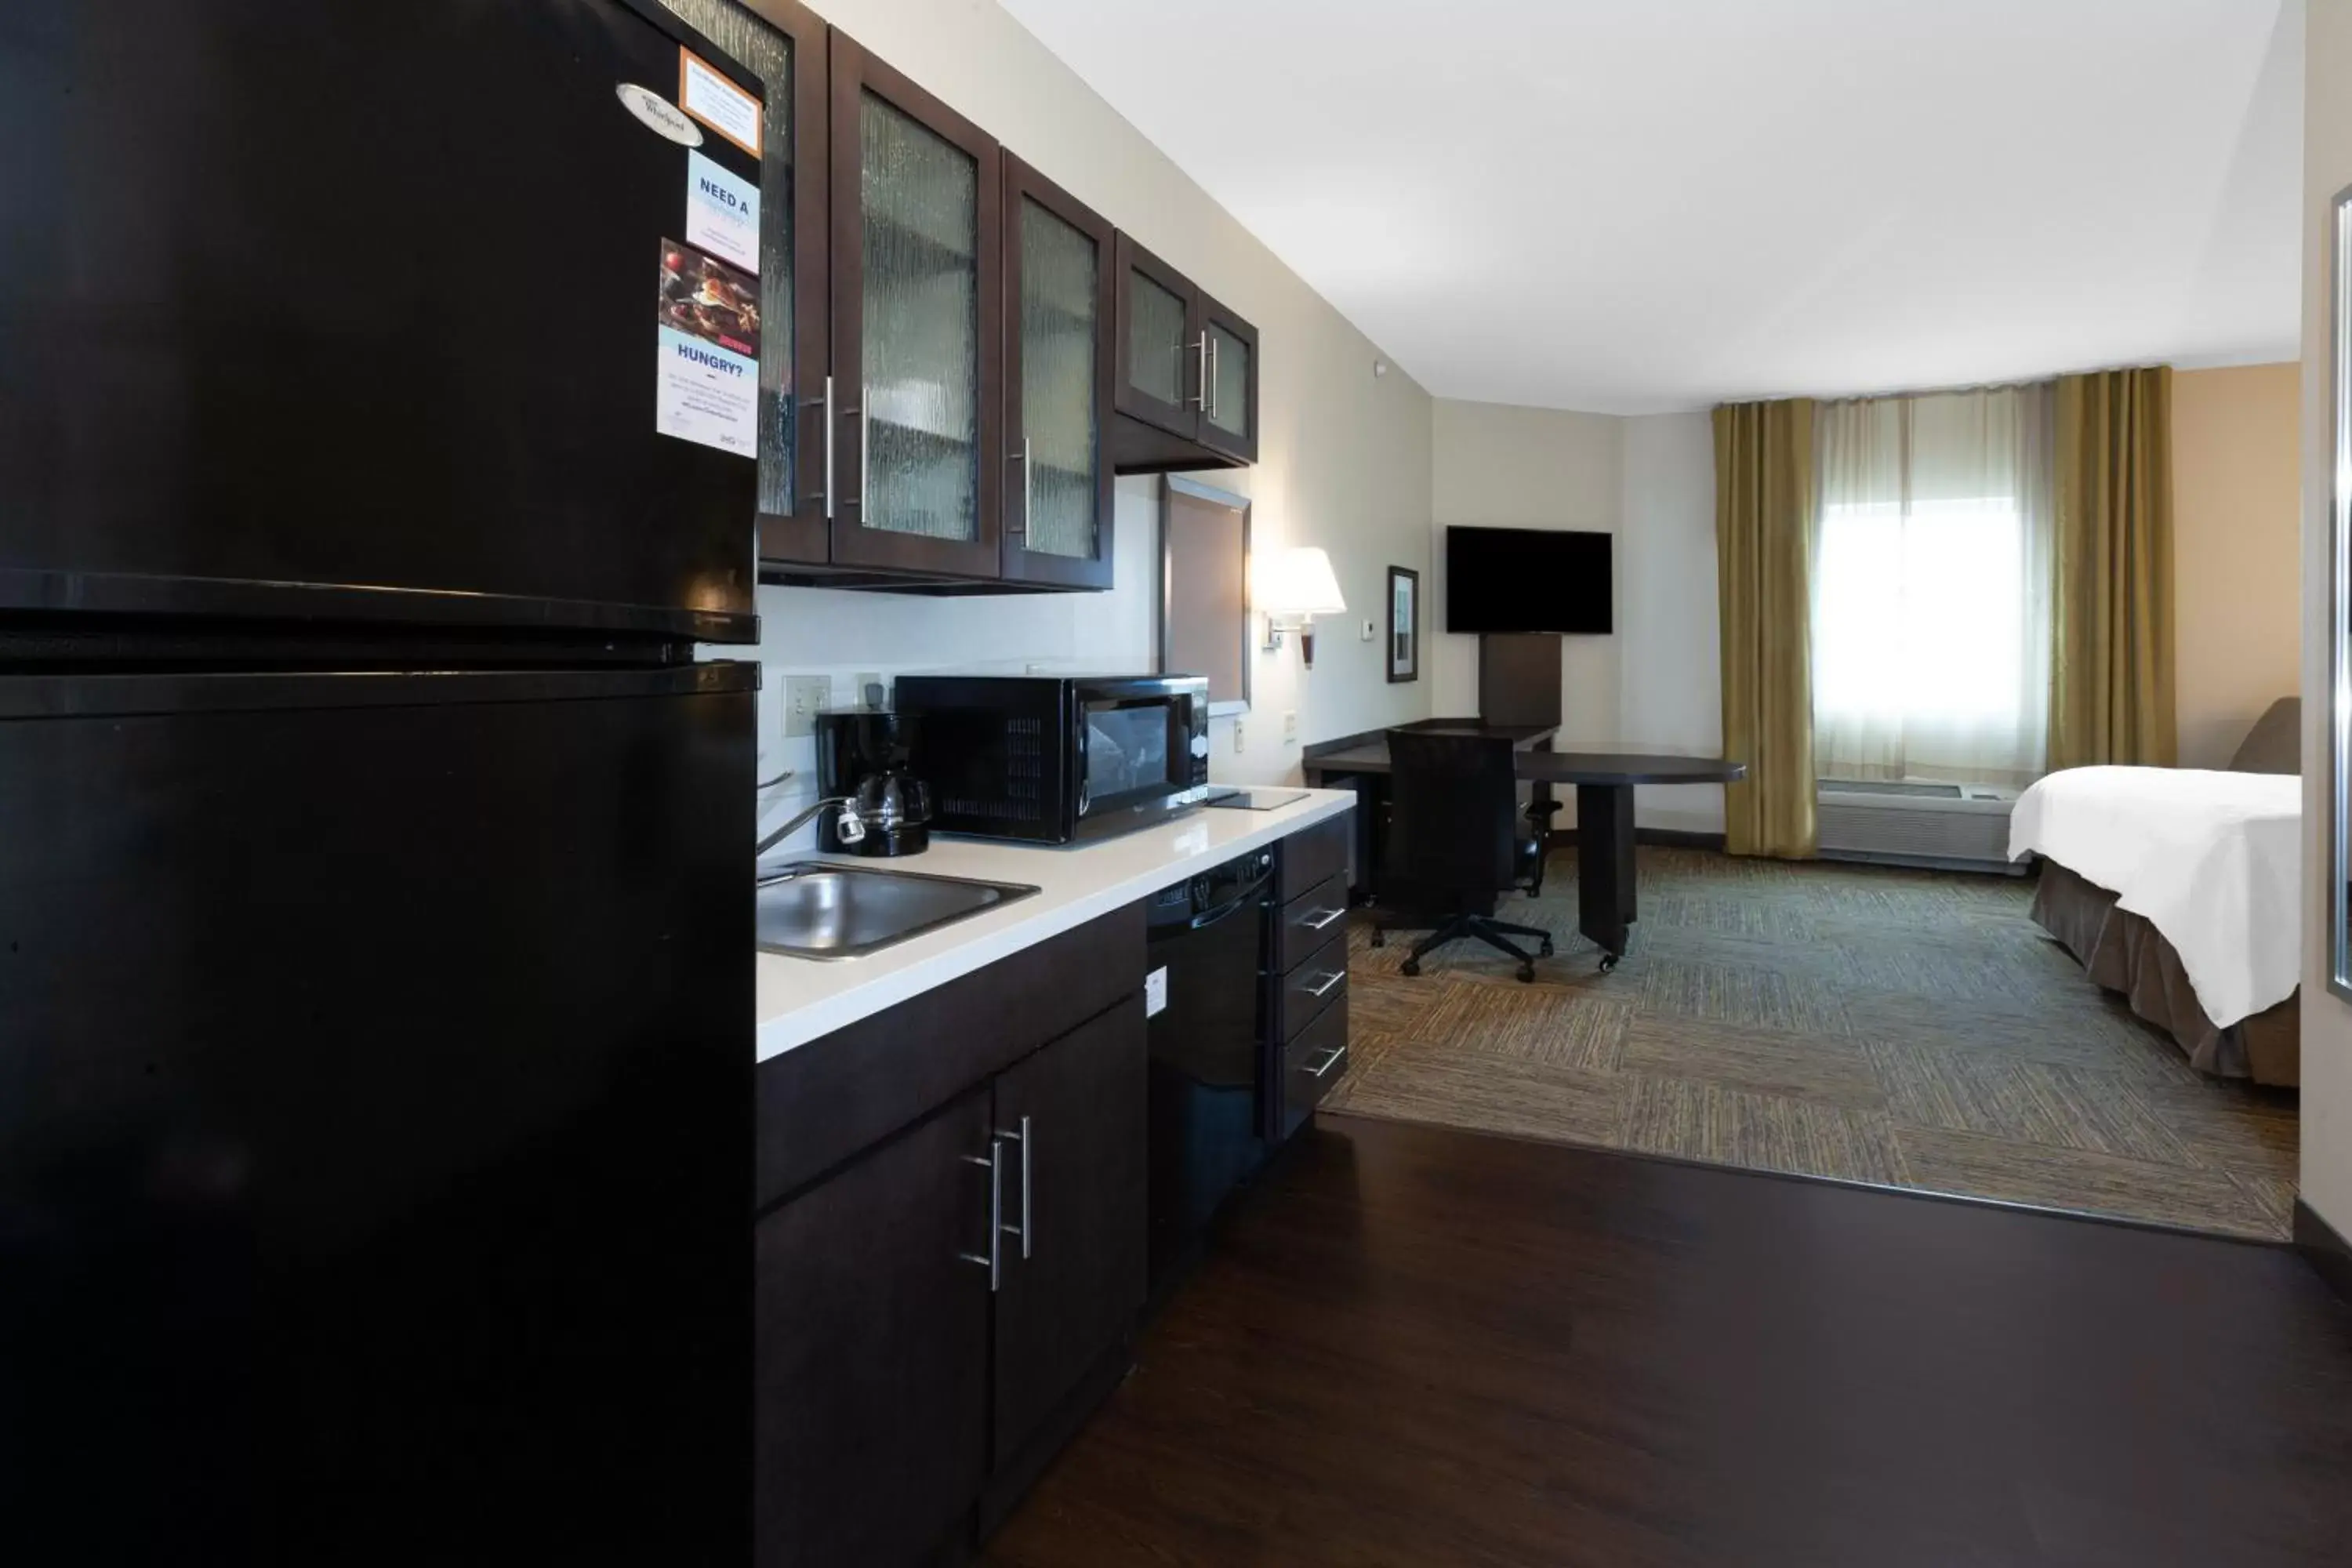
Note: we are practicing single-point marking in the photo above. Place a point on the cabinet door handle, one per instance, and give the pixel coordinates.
(1209, 377)
(1025, 1139)
(1028, 490)
(825, 403)
(858, 501)
(1330, 980)
(1202, 349)
(1322, 917)
(1332, 1058)
(993, 1259)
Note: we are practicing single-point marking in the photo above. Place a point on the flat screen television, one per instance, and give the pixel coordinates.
(1526, 580)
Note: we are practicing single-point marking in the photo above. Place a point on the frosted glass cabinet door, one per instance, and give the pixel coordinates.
(784, 45)
(916, 205)
(1160, 351)
(1058, 309)
(1229, 417)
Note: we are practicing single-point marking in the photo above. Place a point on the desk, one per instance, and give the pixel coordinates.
(1369, 754)
(1604, 781)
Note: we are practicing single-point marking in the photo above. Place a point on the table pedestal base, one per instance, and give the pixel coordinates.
(1604, 866)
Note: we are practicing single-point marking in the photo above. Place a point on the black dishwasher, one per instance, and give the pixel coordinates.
(1207, 933)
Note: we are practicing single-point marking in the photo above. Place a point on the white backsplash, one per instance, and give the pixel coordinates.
(841, 635)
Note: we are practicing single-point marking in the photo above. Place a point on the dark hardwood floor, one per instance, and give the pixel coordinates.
(1419, 1346)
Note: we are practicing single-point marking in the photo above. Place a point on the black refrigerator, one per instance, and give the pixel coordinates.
(375, 874)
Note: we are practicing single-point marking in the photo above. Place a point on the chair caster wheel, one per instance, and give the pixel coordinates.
(1380, 937)
(1410, 967)
(1544, 951)
(1609, 962)
(1527, 973)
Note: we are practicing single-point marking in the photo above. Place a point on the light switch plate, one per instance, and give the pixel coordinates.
(804, 695)
(1290, 725)
(1155, 992)
(1370, 631)
(1237, 734)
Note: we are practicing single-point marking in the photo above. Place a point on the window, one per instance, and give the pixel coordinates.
(1931, 588)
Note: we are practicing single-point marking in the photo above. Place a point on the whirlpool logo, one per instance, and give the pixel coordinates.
(659, 113)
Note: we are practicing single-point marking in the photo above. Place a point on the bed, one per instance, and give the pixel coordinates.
(2180, 889)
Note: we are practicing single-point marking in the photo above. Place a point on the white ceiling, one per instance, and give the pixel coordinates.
(1631, 205)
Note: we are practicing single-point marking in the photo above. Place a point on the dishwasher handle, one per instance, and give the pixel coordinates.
(1248, 897)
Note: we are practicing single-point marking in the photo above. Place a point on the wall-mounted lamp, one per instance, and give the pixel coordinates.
(1291, 587)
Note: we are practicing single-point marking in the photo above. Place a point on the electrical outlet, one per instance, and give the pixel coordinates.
(804, 695)
(867, 691)
(1371, 631)
(1237, 734)
(1290, 726)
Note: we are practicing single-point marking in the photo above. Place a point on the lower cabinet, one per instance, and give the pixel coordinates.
(915, 1369)
(872, 1351)
(1073, 1278)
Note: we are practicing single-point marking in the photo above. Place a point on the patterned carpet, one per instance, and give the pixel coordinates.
(1912, 1029)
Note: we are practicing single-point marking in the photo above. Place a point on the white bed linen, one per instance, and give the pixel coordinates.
(2212, 860)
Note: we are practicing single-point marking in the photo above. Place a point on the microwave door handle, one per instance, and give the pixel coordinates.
(1086, 773)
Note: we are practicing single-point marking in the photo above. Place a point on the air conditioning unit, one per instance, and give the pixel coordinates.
(1940, 827)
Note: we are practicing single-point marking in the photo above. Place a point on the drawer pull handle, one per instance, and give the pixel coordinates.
(1322, 917)
(1330, 981)
(1331, 1058)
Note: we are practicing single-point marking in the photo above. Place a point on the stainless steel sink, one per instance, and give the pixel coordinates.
(818, 908)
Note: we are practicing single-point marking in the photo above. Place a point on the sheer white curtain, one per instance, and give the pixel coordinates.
(1931, 586)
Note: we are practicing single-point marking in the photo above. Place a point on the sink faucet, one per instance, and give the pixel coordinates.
(851, 827)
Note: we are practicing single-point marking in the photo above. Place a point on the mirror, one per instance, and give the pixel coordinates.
(1204, 603)
(2339, 705)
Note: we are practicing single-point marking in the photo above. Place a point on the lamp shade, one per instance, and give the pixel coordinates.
(1297, 582)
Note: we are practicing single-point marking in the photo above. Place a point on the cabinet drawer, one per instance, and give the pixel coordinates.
(1310, 856)
(1313, 1062)
(1308, 922)
(1319, 981)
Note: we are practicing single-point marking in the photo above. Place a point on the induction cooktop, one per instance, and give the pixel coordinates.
(1255, 799)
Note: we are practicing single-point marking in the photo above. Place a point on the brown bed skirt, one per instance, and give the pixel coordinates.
(2124, 954)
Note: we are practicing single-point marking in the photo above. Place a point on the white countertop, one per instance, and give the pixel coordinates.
(801, 999)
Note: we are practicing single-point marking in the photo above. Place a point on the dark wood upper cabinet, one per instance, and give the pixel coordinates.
(785, 44)
(957, 356)
(1159, 363)
(1073, 1117)
(1188, 371)
(1229, 410)
(918, 327)
(1059, 371)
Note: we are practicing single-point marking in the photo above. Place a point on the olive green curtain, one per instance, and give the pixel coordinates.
(2111, 581)
(1764, 504)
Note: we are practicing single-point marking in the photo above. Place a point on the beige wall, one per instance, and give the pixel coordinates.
(2237, 496)
(2326, 1021)
(1496, 464)
(1649, 480)
(1344, 454)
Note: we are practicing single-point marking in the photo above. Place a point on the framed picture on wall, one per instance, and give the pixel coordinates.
(1404, 624)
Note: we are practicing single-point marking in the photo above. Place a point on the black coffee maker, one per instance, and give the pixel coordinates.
(862, 757)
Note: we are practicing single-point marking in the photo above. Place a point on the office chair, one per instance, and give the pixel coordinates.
(1539, 816)
(1455, 841)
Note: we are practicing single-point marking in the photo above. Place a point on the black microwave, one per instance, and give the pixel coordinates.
(1055, 759)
